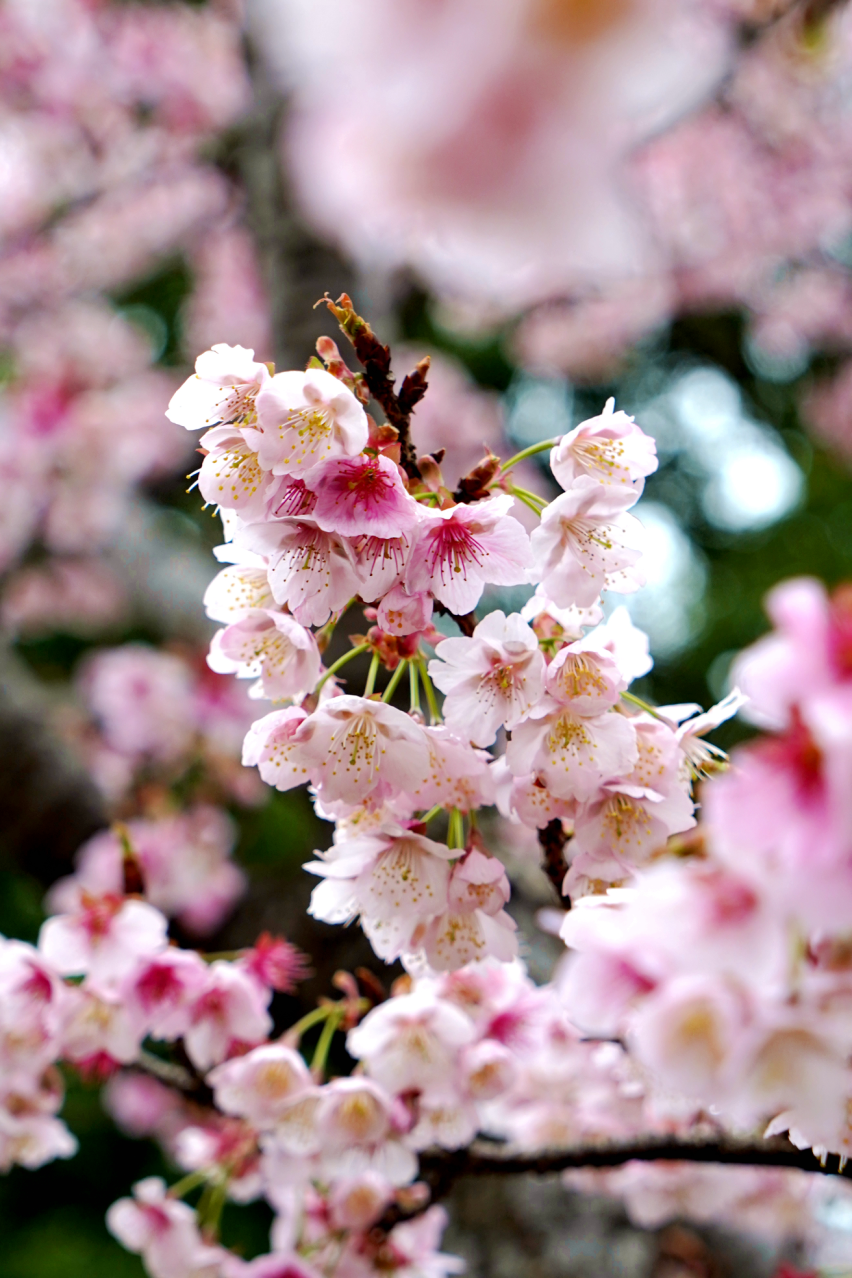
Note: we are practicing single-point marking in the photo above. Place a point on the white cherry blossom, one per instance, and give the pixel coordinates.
(586, 543)
(610, 448)
(305, 419)
(223, 390)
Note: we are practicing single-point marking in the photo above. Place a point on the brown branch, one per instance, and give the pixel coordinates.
(552, 838)
(441, 1168)
(376, 361)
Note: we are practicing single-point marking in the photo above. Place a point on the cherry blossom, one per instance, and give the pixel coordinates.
(271, 647)
(492, 679)
(229, 1013)
(363, 496)
(457, 551)
(574, 754)
(223, 391)
(351, 745)
(231, 475)
(305, 419)
(261, 1085)
(587, 543)
(391, 879)
(165, 1232)
(610, 448)
(103, 940)
(400, 613)
(310, 571)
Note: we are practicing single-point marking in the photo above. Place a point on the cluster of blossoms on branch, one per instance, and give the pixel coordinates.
(729, 976)
(707, 985)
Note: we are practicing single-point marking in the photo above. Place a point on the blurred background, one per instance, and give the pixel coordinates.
(559, 200)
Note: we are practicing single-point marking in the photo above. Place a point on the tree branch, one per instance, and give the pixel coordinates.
(440, 1168)
(552, 838)
(376, 361)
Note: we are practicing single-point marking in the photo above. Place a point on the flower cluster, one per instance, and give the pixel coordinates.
(708, 983)
(728, 976)
(323, 509)
(441, 1060)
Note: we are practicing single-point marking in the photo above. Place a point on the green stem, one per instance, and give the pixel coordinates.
(414, 685)
(324, 1044)
(431, 699)
(371, 675)
(432, 813)
(341, 661)
(643, 705)
(295, 1032)
(394, 681)
(527, 498)
(189, 1182)
(210, 1207)
(455, 832)
(529, 452)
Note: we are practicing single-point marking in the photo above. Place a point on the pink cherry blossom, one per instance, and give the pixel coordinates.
(403, 614)
(358, 1202)
(573, 754)
(363, 496)
(490, 680)
(411, 1043)
(526, 798)
(585, 679)
(415, 1245)
(272, 746)
(261, 1085)
(184, 862)
(223, 391)
(454, 939)
(379, 564)
(610, 448)
(350, 745)
(356, 1130)
(587, 543)
(391, 879)
(142, 699)
(550, 621)
(627, 644)
(807, 652)
(309, 570)
(103, 940)
(457, 774)
(99, 1033)
(460, 550)
(164, 1231)
(230, 1011)
(271, 647)
(160, 992)
(305, 419)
